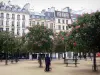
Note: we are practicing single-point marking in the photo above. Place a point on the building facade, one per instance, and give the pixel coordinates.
(16, 19)
(13, 19)
(53, 19)
(75, 17)
(62, 21)
(40, 19)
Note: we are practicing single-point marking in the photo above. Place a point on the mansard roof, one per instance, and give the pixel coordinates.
(12, 8)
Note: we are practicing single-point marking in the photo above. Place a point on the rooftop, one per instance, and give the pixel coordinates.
(14, 8)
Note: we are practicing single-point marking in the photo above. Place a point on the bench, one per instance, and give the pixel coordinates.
(71, 61)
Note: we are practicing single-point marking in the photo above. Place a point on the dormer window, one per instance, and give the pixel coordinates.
(2, 15)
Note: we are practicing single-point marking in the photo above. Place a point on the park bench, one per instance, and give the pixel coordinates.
(71, 61)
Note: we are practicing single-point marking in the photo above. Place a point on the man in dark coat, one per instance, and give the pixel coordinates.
(47, 63)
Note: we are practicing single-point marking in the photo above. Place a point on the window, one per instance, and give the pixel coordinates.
(48, 14)
(64, 14)
(59, 14)
(58, 20)
(7, 22)
(37, 17)
(66, 27)
(42, 23)
(47, 25)
(23, 17)
(1, 22)
(12, 23)
(23, 33)
(1, 29)
(7, 16)
(38, 23)
(2, 15)
(51, 25)
(23, 24)
(7, 29)
(59, 27)
(30, 23)
(13, 30)
(13, 16)
(18, 23)
(18, 17)
(42, 17)
(33, 22)
(63, 21)
(17, 31)
(66, 21)
(54, 25)
(63, 27)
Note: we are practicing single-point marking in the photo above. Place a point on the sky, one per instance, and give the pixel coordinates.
(38, 5)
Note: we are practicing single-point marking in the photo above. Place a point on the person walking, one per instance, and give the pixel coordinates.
(47, 63)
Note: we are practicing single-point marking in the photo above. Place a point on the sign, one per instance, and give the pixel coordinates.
(60, 14)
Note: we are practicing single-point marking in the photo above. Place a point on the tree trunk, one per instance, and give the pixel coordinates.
(6, 60)
(1, 57)
(40, 60)
(64, 57)
(65, 54)
(12, 58)
(94, 61)
(16, 57)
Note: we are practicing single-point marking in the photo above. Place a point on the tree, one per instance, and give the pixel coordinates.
(18, 47)
(86, 33)
(39, 39)
(61, 43)
(6, 44)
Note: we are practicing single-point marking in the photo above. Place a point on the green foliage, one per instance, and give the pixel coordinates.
(39, 38)
(61, 41)
(87, 36)
(7, 42)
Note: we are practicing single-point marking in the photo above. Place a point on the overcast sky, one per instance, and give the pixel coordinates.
(38, 5)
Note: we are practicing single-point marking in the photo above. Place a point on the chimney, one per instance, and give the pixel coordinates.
(43, 11)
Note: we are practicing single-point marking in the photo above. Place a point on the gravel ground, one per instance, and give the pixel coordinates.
(27, 67)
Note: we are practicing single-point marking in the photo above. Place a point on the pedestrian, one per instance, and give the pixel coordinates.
(47, 63)
(40, 60)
